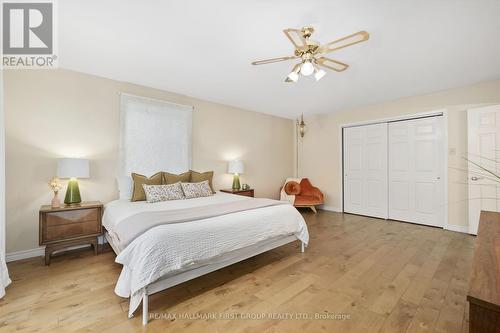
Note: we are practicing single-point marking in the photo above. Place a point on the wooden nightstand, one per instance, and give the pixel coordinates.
(247, 193)
(67, 226)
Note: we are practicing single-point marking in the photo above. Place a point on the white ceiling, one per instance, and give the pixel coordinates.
(204, 48)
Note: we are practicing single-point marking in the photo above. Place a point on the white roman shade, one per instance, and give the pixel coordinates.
(155, 136)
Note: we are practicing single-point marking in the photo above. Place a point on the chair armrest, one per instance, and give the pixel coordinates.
(313, 191)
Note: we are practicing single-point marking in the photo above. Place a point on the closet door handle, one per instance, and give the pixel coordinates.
(474, 178)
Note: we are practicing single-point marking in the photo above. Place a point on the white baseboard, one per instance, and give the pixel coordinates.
(25, 254)
(40, 251)
(458, 228)
(330, 208)
(452, 227)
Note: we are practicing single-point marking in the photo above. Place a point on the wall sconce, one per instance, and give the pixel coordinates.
(301, 125)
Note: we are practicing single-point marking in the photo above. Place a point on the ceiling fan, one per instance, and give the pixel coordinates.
(311, 53)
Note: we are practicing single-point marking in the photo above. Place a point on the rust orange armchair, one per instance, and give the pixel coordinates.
(301, 193)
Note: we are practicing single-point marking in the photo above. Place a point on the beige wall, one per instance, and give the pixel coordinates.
(60, 113)
(319, 150)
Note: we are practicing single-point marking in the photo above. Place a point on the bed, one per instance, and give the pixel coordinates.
(163, 244)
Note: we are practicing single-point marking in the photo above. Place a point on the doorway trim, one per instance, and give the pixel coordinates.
(439, 112)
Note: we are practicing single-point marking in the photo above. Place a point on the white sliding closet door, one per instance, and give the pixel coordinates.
(416, 170)
(365, 170)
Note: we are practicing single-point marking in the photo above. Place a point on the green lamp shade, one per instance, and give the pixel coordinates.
(72, 193)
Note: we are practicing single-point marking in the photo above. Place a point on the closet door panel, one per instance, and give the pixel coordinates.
(365, 170)
(353, 159)
(401, 196)
(428, 171)
(400, 204)
(375, 169)
(415, 171)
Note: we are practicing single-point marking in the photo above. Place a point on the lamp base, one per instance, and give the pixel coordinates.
(236, 182)
(72, 193)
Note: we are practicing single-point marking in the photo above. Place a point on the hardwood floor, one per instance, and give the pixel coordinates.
(382, 276)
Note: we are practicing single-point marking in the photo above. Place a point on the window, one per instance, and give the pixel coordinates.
(155, 136)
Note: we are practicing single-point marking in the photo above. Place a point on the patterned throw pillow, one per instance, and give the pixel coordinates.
(196, 190)
(139, 180)
(156, 193)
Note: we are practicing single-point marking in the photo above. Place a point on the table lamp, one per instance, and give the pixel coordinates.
(72, 168)
(236, 168)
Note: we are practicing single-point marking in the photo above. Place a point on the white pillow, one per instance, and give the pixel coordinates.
(156, 193)
(196, 190)
(125, 187)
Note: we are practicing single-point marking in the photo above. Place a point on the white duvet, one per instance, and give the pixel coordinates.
(171, 248)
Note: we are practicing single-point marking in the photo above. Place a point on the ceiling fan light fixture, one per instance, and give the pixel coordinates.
(318, 74)
(294, 74)
(307, 68)
(312, 53)
(292, 77)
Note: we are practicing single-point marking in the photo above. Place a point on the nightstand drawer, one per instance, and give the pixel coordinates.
(248, 193)
(72, 217)
(59, 232)
(69, 223)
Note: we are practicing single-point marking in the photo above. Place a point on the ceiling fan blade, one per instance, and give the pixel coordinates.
(270, 61)
(332, 64)
(295, 36)
(358, 37)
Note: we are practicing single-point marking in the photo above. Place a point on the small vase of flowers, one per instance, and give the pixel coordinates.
(55, 185)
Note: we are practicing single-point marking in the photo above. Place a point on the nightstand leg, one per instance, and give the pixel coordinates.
(94, 244)
(47, 256)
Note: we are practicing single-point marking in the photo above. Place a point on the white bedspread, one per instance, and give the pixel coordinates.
(172, 248)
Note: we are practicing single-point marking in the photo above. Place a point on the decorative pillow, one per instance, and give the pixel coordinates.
(196, 190)
(197, 177)
(292, 188)
(155, 193)
(171, 178)
(138, 192)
